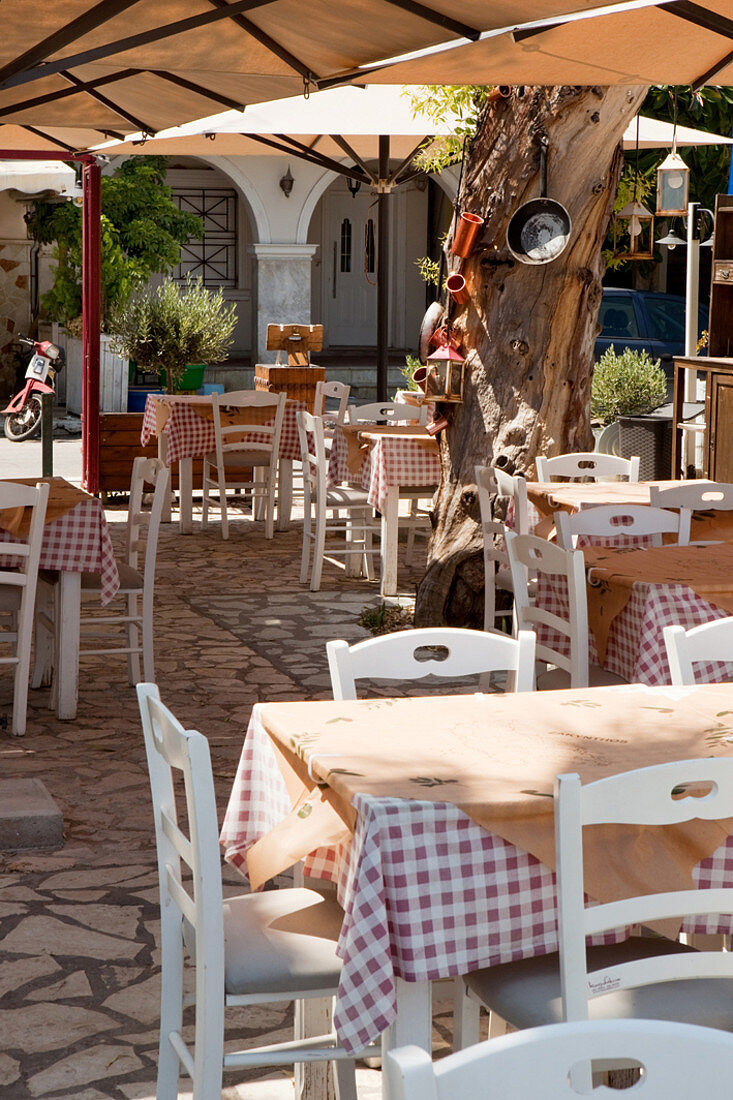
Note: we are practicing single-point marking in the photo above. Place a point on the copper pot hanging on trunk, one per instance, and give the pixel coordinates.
(468, 227)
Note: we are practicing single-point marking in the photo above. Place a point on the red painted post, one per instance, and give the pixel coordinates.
(90, 294)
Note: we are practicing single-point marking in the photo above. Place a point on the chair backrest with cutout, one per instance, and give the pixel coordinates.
(586, 464)
(709, 642)
(492, 530)
(335, 391)
(385, 412)
(312, 454)
(407, 655)
(514, 486)
(652, 796)
(622, 521)
(535, 556)
(143, 526)
(679, 1061)
(230, 436)
(20, 580)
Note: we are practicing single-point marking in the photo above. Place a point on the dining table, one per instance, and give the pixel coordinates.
(184, 427)
(76, 540)
(433, 819)
(385, 459)
(633, 592)
(546, 498)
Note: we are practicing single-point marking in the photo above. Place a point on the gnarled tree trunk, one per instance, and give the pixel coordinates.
(528, 332)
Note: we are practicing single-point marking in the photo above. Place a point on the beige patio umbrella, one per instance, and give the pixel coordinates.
(148, 64)
(670, 43)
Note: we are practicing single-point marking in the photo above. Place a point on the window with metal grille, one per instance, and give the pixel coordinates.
(369, 249)
(346, 245)
(214, 257)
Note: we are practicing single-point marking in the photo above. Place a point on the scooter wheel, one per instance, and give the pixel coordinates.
(22, 425)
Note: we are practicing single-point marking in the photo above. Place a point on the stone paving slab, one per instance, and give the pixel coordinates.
(79, 966)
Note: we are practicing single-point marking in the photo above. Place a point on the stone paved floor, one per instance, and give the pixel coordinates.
(79, 974)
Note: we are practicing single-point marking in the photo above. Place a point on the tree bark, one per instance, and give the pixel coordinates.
(528, 331)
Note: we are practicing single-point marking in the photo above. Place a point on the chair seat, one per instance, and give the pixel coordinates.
(558, 679)
(281, 941)
(130, 580)
(346, 495)
(526, 993)
(241, 460)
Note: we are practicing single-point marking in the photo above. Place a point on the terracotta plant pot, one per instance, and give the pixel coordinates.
(420, 377)
(456, 285)
(467, 230)
(502, 91)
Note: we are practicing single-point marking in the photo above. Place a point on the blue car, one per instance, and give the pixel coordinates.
(645, 321)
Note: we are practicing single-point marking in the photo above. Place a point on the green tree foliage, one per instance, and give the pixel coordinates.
(142, 233)
(175, 324)
(626, 384)
(435, 102)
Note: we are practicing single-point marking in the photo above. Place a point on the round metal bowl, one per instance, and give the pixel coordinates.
(539, 231)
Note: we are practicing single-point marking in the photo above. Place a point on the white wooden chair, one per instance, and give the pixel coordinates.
(588, 465)
(134, 626)
(679, 1061)
(645, 977)
(529, 554)
(234, 457)
(385, 412)
(694, 496)
(514, 486)
(18, 590)
(356, 525)
(276, 946)
(712, 641)
(497, 574)
(395, 657)
(334, 391)
(613, 521)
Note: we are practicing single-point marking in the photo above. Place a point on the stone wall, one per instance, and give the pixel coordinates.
(14, 305)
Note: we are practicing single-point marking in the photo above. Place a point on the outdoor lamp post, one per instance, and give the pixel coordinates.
(673, 186)
(445, 374)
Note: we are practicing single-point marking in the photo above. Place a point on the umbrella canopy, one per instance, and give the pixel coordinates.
(38, 178)
(326, 120)
(670, 43)
(334, 124)
(148, 64)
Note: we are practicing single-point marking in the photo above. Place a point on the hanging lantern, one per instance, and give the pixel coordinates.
(673, 186)
(633, 232)
(445, 374)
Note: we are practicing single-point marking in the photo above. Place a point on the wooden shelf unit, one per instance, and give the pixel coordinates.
(720, 326)
(718, 416)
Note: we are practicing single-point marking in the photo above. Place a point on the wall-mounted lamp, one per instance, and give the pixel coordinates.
(353, 185)
(286, 183)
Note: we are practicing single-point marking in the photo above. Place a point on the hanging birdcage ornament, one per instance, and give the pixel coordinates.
(633, 227)
(445, 368)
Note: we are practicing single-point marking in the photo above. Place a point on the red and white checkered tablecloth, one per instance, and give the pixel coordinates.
(190, 435)
(78, 542)
(636, 649)
(388, 461)
(426, 892)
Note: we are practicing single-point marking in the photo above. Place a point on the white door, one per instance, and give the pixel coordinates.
(350, 268)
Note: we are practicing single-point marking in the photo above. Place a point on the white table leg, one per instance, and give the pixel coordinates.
(388, 550)
(163, 456)
(67, 657)
(185, 496)
(284, 493)
(413, 1024)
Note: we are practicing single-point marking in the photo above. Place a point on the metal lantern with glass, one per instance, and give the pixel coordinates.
(445, 374)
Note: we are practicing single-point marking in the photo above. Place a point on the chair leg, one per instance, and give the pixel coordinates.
(148, 642)
(345, 1077)
(171, 1004)
(306, 553)
(270, 487)
(466, 1017)
(133, 641)
(319, 547)
(205, 503)
(43, 650)
(209, 1040)
(368, 545)
(223, 503)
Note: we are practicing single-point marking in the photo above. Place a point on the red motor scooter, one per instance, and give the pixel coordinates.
(23, 412)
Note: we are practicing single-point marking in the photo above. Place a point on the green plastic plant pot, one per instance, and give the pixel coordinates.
(191, 379)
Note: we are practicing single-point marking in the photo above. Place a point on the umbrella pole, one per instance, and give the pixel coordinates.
(383, 211)
(90, 296)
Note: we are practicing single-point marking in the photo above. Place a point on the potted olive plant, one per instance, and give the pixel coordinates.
(166, 328)
(628, 387)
